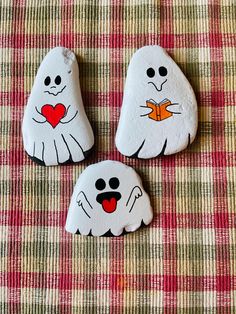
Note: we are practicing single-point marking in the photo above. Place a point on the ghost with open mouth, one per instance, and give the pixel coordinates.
(159, 110)
(108, 200)
(55, 127)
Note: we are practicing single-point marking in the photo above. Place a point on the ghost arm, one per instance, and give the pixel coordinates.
(39, 118)
(134, 195)
(84, 204)
(69, 116)
(174, 108)
(74, 216)
(145, 111)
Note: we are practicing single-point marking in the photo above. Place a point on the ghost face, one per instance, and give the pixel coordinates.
(151, 73)
(54, 85)
(108, 197)
(159, 110)
(54, 115)
(55, 127)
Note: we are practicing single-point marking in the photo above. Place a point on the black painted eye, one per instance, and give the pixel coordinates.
(47, 80)
(150, 72)
(100, 184)
(58, 80)
(114, 183)
(162, 71)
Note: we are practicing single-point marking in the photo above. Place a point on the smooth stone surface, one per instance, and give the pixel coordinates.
(55, 126)
(159, 111)
(108, 198)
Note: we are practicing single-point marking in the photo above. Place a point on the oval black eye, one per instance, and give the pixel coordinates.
(162, 71)
(47, 80)
(114, 183)
(58, 80)
(150, 72)
(100, 184)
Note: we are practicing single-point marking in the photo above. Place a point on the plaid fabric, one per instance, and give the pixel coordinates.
(185, 261)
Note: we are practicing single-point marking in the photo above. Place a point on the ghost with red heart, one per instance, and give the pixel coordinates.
(108, 199)
(52, 114)
(55, 127)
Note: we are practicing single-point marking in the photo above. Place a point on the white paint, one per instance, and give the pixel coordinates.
(131, 205)
(61, 130)
(140, 136)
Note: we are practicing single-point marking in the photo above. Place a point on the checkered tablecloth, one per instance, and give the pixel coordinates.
(185, 261)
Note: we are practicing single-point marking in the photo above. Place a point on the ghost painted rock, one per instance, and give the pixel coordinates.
(108, 199)
(55, 127)
(159, 111)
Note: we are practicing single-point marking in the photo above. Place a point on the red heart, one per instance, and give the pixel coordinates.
(109, 206)
(53, 114)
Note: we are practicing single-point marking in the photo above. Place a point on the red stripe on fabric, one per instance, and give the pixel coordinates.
(65, 248)
(218, 143)
(116, 245)
(41, 217)
(170, 283)
(167, 283)
(8, 98)
(167, 38)
(215, 40)
(223, 283)
(115, 98)
(169, 220)
(221, 219)
(65, 281)
(113, 40)
(216, 98)
(16, 201)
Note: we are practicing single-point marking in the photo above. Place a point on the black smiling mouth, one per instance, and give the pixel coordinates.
(108, 196)
(159, 90)
(46, 91)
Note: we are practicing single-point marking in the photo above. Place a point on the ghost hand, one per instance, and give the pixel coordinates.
(83, 202)
(68, 116)
(174, 108)
(39, 118)
(145, 111)
(134, 195)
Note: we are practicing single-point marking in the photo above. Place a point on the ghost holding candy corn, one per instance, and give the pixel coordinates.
(55, 127)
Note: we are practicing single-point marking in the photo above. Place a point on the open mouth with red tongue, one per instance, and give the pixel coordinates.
(108, 200)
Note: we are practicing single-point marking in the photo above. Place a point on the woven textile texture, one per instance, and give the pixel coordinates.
(185, 261)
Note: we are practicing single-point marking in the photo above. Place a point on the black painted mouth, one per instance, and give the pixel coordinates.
(108, 200)
(160, 89)
(46, 91)
(108, 196)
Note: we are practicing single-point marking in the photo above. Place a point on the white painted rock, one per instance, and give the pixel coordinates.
(55, 127)
(108, 199)
(159, 111)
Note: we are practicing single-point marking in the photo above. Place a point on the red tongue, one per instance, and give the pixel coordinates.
(109, 206)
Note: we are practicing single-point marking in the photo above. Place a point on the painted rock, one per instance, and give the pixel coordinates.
(108, 200)
(55, 127)
(159, 111)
